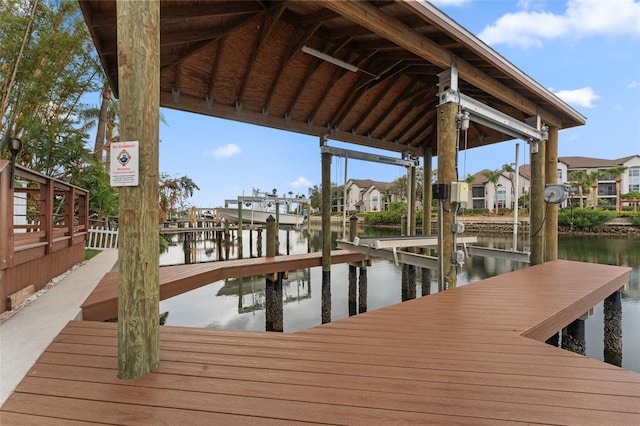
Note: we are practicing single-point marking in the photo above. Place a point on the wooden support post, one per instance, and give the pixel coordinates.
(46, 213)
(353, 269)
(427, 200)
(573, 337)
(250, 243)
(138, 26)
(613, 329)
(277, 228)
(326, 237)
(259, 243)
(446, 118)
(362, 290)
(240, 254)
(551, 220)
(537, 206)
(6, 224)
(273, 284)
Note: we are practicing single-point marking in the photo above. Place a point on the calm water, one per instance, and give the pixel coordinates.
(239, 304)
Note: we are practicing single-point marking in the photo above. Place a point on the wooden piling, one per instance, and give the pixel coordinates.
(138, 43)
(427, 200)
(326, 237)
(613, 329)
(573, 337)
(239, 235)
(551, 177)
(273, 284)
(353, 283)
(537, 206)
(446, 131)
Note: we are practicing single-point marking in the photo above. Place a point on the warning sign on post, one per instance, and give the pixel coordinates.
(124, 163)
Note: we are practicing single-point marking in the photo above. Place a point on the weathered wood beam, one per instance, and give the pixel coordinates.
(198, 105)
(138, 253)
(319, 17)
(367, 15)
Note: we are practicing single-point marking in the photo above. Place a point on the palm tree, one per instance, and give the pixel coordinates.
(616, 172)
(175, 191)
(493, 177)
(580, 177)
(508, 168)
(593, 177)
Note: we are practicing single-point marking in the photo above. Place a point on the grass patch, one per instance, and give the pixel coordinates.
(90, 253)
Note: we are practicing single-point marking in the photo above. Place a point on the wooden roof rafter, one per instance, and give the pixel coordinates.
(268, 24)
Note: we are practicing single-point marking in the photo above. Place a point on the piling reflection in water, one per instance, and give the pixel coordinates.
(381, 285)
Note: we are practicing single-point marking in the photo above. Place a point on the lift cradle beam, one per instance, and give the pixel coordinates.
(357, 155)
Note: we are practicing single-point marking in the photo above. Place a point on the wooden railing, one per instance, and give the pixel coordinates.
(43, 227)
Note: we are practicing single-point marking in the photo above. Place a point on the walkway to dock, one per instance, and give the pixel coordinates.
(102, 303)
(457, 357)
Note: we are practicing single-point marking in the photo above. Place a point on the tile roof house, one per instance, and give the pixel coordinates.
(366, 195)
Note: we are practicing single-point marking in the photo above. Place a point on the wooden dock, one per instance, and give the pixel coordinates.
(102, 303)
(457, 357)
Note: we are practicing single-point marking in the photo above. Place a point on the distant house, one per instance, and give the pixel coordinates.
(568, 168)
(483, 195)
(366, 195)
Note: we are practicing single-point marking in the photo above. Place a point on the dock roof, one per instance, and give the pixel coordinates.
(244, 61)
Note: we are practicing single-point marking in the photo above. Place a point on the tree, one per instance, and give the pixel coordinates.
(175, 191)
(616, 172)
(593, 177)
(493, 177)
(46, 65)
(508, 168)
(580, 177)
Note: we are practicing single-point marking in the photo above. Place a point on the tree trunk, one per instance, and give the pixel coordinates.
(98, 146)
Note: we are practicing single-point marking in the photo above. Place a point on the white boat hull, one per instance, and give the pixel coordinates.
(258, 216)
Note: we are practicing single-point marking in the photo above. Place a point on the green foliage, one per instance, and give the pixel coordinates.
(635, 218)
(90, 253)
(633, 195)
(504, 211)
(476, 212)
(388, 217)
(585, 219)
(53, 69)
(397, 206)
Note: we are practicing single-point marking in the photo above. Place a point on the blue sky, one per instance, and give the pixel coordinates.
(585, 51)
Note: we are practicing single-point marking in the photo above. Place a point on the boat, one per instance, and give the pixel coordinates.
(257, 216)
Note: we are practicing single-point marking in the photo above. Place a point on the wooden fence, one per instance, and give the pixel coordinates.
(43, 227)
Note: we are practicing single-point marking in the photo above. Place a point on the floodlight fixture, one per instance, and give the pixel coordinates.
(328, 58)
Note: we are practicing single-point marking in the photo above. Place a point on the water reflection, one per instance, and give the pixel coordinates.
(240, 304)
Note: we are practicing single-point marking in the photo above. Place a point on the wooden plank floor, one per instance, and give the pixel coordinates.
(458, 357)
(102, 303)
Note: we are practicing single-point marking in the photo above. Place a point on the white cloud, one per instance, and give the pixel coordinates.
(581, 97)
(301, 182)
(582, 18)
(632, 85)
(228, 150)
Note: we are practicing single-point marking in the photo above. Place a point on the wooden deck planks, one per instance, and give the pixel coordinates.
(428, 361)
(102, 303)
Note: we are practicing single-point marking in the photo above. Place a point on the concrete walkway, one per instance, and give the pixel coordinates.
(25, 336)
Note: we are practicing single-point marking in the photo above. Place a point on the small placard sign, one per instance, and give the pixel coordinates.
(124, 163)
